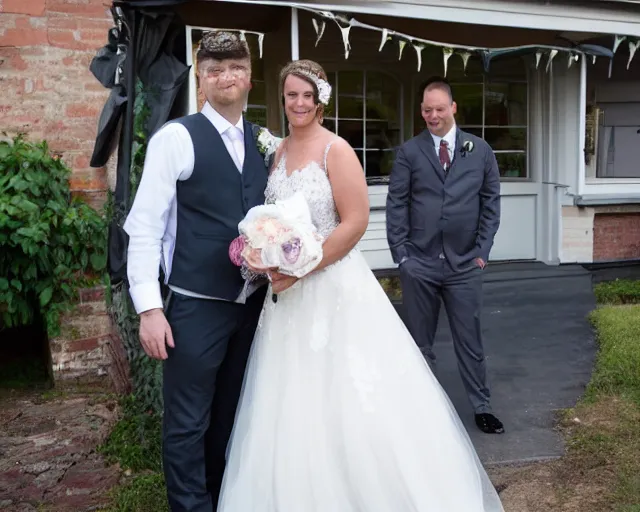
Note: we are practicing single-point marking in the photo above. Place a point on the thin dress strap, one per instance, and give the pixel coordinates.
(326, 152)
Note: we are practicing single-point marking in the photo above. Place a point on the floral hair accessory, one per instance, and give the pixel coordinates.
(324, 89)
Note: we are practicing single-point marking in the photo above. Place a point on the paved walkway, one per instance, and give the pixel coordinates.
(47, 452)
(540, 351)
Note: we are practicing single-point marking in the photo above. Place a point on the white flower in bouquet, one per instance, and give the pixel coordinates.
(279, 235)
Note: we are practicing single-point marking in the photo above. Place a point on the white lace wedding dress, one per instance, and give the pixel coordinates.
(339, 411)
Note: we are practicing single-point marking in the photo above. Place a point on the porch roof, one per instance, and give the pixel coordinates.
(603, 17)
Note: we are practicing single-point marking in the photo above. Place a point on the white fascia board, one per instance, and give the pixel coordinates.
(495, 12)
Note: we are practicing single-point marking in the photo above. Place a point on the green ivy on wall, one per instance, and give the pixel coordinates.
(51, 244)
(146, 373)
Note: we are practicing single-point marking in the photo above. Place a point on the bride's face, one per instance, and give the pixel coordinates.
(299, 101)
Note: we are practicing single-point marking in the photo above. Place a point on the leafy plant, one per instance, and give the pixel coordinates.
(620, 291)
(146, 373)
(50, 243)
(135, 442)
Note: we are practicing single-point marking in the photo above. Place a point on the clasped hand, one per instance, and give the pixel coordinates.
(279, 282)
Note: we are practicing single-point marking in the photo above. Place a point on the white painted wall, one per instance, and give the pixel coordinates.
(577, 235)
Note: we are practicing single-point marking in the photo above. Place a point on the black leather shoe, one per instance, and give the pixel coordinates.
(489, 424)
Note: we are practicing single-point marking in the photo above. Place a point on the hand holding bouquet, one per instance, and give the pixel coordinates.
(277, 236)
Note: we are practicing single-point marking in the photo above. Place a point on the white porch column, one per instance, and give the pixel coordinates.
(295, 35)
(582, 124)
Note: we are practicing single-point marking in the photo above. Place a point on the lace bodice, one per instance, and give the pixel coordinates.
(314, 183)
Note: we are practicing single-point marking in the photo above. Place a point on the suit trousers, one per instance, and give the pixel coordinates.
(202, 382)
(427, 283)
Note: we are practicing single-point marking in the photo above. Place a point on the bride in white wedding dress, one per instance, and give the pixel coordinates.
(339, 410)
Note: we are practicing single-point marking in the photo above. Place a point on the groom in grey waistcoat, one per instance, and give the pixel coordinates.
(202, 174)
(443, 211)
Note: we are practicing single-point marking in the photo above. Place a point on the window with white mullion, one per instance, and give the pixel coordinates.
(493, 106)
(365, 111)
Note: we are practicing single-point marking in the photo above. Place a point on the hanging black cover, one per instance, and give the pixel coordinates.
(142, 47)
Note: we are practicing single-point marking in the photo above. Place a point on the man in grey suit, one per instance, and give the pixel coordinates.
(443, 211)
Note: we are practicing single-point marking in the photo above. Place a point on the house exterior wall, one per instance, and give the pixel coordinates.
(577, 234)
(49, 93)
(600, 234)
(47, 89)
(604, 224)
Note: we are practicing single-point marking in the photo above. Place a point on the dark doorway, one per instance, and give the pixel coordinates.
(25, 358)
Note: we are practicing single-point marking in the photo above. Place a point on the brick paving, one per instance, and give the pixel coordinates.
(48, 458)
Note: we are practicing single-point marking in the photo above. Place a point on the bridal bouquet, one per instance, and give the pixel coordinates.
(279, 236)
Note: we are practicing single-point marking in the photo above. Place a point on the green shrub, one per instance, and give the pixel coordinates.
(50, 243)
(620, 291)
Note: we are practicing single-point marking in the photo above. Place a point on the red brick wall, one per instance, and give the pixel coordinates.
(616, 236)
(88, 349)
(48, 92)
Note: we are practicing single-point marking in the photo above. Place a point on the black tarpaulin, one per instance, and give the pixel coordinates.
(140, 48)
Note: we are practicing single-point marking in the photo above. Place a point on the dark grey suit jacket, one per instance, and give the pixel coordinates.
(431, 213)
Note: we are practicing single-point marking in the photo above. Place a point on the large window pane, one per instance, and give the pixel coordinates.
(329, 124)
(351, 83)
(360, 156)
(367, 114)
(258, 94)
(468, 98)
(379, 163)
(493, 107)
(382, 135)
(512, 165)
(382, 97)
(352, 132)
(350, 94)
(257, 115)
(350, 107)
(506, 104)
(473, 131)
(501, 139)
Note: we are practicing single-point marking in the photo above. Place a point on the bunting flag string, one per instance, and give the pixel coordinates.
(574, 51)
(633, 47)
(319, 28)
(345, 23)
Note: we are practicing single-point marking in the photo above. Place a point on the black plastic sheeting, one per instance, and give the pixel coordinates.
(142, 46)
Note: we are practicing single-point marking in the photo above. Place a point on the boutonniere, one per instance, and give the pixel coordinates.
(267, 144)
(467, 147)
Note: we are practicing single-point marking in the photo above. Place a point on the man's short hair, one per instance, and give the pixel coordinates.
(221, 45)
(437, 82)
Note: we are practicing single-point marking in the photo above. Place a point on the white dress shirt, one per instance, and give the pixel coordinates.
(151, 223)
(450, 138)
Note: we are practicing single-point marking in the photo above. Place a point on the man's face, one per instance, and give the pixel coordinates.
(438, 111)
(225, 82)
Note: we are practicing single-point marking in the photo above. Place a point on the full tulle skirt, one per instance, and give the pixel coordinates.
(341, 413)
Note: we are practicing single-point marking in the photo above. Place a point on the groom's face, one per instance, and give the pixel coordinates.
(225, 82)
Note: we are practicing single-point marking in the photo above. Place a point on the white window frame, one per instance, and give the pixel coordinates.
(336, 117)
(589, 185)
(526, 152)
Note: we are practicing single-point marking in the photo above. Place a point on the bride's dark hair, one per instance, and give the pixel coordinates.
(305, 70)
